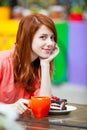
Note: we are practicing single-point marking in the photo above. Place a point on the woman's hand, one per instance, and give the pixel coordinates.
(52, 55)
(20, 106)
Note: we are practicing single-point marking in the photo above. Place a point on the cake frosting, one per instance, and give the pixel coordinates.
(58, 104)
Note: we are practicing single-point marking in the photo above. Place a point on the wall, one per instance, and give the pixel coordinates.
(71, 63)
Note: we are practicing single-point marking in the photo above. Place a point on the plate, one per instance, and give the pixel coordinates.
(69, 109)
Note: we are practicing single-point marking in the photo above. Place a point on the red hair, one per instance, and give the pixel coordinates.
(25, 72)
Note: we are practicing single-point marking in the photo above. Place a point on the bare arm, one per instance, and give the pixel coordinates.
(45, 89)
(46, 85)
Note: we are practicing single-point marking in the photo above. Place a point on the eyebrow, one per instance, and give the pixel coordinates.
(44, 34)
(47, 34)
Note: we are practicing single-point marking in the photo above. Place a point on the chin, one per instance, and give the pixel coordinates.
(44, 57)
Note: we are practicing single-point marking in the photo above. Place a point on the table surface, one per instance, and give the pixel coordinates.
(75, 120)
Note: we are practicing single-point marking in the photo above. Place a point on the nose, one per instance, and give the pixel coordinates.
(50, 42)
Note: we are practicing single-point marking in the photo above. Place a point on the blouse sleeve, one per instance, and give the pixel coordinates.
(36, 93)
(3, 56)
(0, 71)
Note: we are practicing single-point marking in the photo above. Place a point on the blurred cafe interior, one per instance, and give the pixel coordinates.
(70, 17)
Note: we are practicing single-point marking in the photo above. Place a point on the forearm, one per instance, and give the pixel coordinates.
(46, 86)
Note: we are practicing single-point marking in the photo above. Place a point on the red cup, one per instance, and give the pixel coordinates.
(40, 106)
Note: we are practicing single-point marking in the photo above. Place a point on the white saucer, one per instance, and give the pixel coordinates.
(69, 109)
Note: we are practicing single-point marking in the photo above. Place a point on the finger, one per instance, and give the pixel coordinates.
(20, 111)
(56, 47)
(56, 50)
(18, 108)
(25, 101)
(20, 105)
(54, 54)
(23, 107)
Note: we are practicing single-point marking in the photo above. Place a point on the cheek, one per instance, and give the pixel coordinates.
(35, 49)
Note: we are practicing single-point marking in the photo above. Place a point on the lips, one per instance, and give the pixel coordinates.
(47, 50)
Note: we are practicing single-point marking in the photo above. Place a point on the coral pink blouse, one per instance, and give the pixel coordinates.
(10, 92)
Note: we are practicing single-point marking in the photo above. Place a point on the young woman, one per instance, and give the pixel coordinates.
(26, 70)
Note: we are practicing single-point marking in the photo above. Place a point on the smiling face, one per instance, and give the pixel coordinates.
(43, 43)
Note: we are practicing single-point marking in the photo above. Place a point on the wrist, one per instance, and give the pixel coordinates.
(46, 64)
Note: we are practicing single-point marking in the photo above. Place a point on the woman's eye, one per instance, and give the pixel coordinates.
(43, 37)
(52, 38)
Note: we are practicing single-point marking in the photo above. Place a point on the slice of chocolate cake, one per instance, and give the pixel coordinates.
(58, 104)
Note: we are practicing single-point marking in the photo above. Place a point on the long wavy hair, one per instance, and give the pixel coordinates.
(25, 71)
